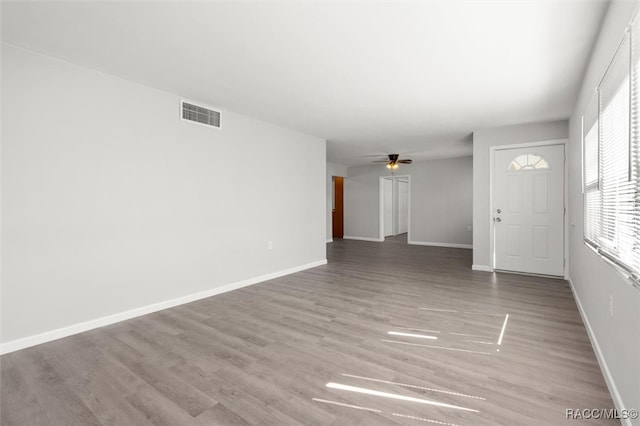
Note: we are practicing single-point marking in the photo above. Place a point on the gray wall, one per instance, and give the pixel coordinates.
(110, 202)
(483, 140)
(361, 202)
(616, 339)
(441, 202)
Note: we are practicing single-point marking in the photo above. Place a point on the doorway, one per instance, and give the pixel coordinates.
(394, 206)
(528, 209)
(337, 208)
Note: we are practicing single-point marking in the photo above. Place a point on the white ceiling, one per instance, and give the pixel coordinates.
(412, 77)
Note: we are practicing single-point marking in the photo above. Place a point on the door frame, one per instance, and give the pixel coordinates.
(565, 222)
(381, 205)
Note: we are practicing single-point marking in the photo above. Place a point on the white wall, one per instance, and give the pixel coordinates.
(440, 200)
(483, 140)
(333, 169)
(111, 203)
(617, 339)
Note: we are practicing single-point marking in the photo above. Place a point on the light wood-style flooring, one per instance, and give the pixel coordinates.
(385, 334)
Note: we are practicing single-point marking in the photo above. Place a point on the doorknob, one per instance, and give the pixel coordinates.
(499, 211)
(497, 219)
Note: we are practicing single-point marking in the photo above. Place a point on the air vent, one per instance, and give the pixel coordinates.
(198, 114)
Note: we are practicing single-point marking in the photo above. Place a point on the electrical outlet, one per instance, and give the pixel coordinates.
(611, 305)
(269, 245)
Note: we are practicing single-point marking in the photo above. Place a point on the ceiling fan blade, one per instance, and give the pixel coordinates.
(405, 161)
(380, 161)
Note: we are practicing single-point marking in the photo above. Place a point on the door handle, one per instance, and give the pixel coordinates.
(497, 219)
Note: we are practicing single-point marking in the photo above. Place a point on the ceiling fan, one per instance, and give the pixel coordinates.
(393, 162)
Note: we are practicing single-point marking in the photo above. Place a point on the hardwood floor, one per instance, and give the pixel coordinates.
(385, 334)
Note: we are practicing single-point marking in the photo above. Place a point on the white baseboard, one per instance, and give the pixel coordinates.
(608, 378)
(330, 240)
(25, 342)
(375, 240)
(450, 245)
(483, 268)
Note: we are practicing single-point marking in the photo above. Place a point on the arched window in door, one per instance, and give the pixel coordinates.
(528, 162)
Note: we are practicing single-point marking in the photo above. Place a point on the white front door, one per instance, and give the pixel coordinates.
(528, 210)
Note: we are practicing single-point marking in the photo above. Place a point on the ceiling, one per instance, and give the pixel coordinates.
(414, 77)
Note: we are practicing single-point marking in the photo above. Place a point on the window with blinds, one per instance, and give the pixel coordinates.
(611, 162)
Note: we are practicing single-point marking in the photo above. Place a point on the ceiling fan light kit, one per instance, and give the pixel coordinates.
(393, 162)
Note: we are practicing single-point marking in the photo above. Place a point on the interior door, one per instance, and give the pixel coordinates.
(528, 216)
(388, 207)
(403, 206)
(337, 214)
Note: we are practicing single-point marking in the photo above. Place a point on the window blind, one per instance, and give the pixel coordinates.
(611, 161)
(590, 180)
(633, 258)
(615, 190)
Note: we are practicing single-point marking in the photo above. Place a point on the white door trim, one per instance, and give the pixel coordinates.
(381, 205)
(491, 224)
